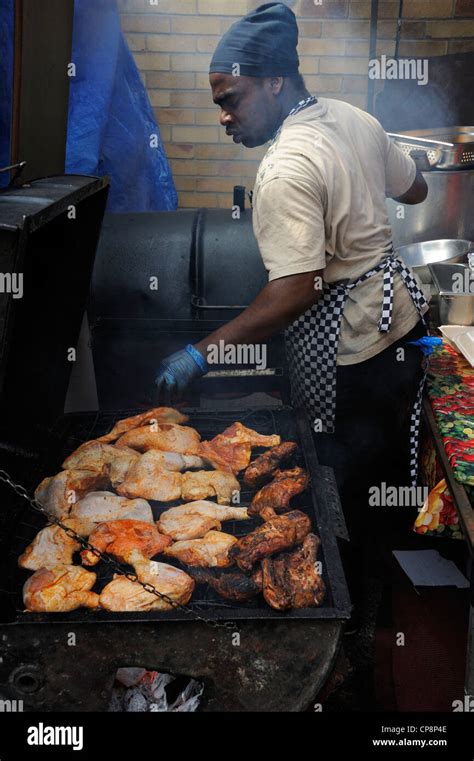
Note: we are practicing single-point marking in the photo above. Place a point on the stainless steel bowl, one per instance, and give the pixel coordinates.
(419, 255)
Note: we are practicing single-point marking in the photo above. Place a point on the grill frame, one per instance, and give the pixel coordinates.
(320, 501)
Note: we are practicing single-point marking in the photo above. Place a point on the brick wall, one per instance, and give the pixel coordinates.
(173, 40)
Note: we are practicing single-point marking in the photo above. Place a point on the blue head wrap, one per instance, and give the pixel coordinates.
(261, 44)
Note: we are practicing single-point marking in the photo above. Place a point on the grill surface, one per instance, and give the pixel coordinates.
(21, 522)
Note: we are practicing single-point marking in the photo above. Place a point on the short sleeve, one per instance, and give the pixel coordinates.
(288, 222)
(400, 170)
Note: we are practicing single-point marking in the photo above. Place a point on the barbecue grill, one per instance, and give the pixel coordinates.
(319, 502)
(131, 330)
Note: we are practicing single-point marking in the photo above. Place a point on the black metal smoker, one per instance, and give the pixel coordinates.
(207, 268)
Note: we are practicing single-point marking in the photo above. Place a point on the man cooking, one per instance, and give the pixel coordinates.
(348, 306)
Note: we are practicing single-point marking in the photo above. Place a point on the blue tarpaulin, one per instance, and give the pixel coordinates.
(6, 84)
(112, 129)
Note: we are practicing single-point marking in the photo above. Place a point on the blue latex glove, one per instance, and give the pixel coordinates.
(177, 372)
(427, 344)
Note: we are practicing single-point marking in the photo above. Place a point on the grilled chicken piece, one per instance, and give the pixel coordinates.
(59, 589)
(172, 461)
(290, 580)
(51, 546)
(166, 437)
(209, 483)
(124, 463)
(119, 466)
(119, 537)
(96, 456)
(154, 476)
(149, 479)
(224, 456)
(231, 449)
(231, 586)
(122, 594)
(58, 493)
(158, 414)
(192, 526)
(194, 520)
(277, 534)
(212, 551)
(263, 468)
(101, 506)
(238, 433)
(275, 497)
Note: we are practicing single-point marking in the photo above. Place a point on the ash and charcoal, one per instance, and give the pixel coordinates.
(137, 690)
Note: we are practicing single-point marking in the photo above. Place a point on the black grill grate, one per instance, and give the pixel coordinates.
(21, 523)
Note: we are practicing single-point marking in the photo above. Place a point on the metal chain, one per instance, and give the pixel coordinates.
(299, 107)
(22, 492)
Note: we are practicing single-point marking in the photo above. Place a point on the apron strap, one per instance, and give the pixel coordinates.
(385, 321)
(414, 289)
(328, 328)
(421, 305)
(415, 422)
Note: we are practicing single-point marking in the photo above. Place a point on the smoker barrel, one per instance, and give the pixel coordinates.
(133, 251)
(202, 258)
(163, 280)
(228, 271)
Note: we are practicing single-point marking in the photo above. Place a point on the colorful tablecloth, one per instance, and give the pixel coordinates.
(451, 392)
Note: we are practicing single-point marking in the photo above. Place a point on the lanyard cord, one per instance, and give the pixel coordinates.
(299, 107)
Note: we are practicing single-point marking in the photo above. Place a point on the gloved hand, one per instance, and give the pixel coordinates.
(177, 372)
(427, 344)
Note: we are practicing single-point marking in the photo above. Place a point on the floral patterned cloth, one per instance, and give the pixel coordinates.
(439, 515)
(451, 392)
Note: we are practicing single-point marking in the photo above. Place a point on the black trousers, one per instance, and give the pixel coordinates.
(374, 401)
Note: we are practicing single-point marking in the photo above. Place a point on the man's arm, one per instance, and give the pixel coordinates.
(277, 305)
(417, 193)
(289, 227)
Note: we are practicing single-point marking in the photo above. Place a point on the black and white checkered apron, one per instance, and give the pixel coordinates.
(312, 342)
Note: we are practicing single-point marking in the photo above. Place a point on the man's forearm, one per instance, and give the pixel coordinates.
(417, 193)
(279, 304)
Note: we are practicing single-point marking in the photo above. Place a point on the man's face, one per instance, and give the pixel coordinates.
(250, 111)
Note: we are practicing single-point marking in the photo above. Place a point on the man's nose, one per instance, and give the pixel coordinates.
(225, 118)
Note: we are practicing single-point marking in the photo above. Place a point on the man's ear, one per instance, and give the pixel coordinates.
(275, 84)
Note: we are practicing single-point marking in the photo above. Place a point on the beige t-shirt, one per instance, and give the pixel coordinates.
(319, 204)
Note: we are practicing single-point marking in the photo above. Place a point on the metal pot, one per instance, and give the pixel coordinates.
(448, 211)
(455, 285)
(419, 256)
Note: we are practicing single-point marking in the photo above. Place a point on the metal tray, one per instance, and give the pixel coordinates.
(445, 147)
(320, 502)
